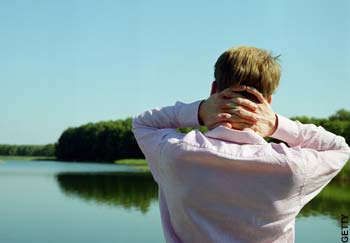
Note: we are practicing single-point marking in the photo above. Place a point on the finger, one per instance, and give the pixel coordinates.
(238, 88)
(256, 93)
(241, 125)
(235, 123)
(222, 123)
(248, 129)
(229, 95)
(229, 92)
(237, 119)
(225, 124)
(244, 114)
(232, 118)
(244, 102)
(254, 128)
(227, 104)
(218, 118)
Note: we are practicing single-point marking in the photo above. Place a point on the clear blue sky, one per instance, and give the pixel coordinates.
(69, 62)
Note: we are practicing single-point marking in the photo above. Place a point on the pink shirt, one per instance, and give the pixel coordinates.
(232, 186)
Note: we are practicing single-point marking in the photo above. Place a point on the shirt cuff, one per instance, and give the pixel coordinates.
(187, 114)
(287, 130)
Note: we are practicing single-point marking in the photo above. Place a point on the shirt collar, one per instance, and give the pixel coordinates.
(235, 136)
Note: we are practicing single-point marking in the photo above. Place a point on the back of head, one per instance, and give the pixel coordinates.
(248, 66)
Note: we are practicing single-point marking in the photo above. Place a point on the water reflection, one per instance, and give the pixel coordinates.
(129, 190)
(138, 190)
(333, 201)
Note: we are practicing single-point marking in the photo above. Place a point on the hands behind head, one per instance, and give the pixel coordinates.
(232, 110)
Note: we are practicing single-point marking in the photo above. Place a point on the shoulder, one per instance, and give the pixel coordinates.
(196, 142)
(193, 140)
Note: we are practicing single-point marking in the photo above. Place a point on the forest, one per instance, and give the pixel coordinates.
(107, 141)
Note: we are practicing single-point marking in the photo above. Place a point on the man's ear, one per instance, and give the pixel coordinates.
(269, 99)
(213, 88)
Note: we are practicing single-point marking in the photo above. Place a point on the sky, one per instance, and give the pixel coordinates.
(66, 63)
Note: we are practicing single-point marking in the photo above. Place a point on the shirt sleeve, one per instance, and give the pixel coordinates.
(322, 153)
(151, 127)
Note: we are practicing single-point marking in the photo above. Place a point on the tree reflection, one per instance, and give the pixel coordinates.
(138, 190)
(129, 190)
(333, 201)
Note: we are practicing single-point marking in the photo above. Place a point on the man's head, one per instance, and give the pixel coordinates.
(249, 66)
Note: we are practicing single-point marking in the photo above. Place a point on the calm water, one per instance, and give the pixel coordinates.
(74, 202)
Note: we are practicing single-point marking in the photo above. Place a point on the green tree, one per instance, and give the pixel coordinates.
(340, 115)
(103, 141)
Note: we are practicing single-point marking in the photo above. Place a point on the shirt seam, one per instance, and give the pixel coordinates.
(305, 175)
(224, 153)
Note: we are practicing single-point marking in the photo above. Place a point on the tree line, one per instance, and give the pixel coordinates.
(101, 141)
(108, 141)
(47, 150)
(338, 123)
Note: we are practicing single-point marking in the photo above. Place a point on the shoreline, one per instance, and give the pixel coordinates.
(24, 157)
(138, 163)
(142, 164)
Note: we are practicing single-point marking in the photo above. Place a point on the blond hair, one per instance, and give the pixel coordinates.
(249, 66)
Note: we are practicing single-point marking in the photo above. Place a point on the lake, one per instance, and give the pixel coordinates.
(47, 201)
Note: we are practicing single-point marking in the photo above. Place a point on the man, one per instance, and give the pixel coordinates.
(229, 184)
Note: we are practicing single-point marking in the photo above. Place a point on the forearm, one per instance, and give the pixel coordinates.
(307, 136)
(176, 116)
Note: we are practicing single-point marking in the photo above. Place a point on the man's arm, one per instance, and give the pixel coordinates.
(294, 133)
(151, 127)
(320, 153)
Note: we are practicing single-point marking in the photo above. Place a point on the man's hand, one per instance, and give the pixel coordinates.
(232, 110)
(267, 123)
(228, 109)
